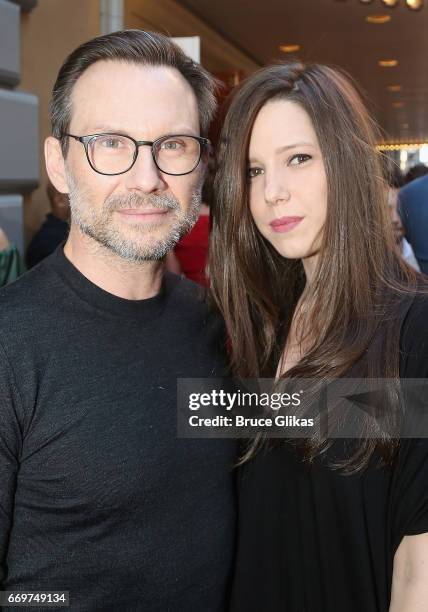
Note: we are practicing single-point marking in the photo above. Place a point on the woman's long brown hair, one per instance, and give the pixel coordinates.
(353, 303)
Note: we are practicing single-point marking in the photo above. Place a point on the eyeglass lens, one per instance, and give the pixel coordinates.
(113, 154)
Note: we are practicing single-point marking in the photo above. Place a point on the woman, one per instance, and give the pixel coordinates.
(313, 286)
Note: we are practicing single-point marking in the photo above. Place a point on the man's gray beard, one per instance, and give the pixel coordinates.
(97, 224)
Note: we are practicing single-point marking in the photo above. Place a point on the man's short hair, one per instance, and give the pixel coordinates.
(132, 46)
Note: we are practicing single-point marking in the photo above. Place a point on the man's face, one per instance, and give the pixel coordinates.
(141, 214)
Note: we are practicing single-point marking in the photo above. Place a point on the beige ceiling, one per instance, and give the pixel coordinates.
(335, 32)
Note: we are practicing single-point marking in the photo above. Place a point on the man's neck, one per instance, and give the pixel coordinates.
(124, 279)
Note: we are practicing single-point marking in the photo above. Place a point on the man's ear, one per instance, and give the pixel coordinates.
(55, 164)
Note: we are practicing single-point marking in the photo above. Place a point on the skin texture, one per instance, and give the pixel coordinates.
(122, 251)
(410, 577)
(288, 179)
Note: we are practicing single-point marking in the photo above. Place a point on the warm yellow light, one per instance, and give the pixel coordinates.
(390, 3)
(414, 5)
(289, 48)
(394, 88)
(378, 18)
(388, 63)
(401, 145)
(398, 104)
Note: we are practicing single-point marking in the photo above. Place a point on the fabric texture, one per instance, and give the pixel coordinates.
(98, 496)
(11, 265)
(312, 539)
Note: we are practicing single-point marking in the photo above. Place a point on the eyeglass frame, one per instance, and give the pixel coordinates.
(85, 140)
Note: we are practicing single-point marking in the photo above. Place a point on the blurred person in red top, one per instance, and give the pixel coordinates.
(190, 255)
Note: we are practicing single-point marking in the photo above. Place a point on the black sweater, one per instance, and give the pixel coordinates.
(97, 494)
(312, 539)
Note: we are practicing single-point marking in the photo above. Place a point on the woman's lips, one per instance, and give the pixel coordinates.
(285, 224)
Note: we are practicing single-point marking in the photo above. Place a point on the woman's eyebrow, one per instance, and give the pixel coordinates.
(293, 146)
(283, 148)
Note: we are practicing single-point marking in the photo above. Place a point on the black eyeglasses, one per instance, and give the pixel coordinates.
(113, 154)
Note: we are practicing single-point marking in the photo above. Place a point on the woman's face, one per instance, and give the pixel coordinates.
(287, 180)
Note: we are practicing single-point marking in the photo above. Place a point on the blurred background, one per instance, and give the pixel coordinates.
(383, 44)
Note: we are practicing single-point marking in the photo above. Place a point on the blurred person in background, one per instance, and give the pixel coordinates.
(98, 496)
(413, 210)
(395, 180)
(11, 264)
(189, 257)
(54, 230)
(415, 172)
(190, 254)
(305, 269)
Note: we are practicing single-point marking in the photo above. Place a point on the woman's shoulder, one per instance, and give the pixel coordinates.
(414, 339)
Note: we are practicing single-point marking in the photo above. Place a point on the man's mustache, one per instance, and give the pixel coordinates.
(134, 201)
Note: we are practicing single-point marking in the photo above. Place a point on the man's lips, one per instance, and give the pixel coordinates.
(143, 211)
(144, 214)
(285, 224)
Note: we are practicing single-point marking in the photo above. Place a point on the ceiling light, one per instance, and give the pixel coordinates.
(378, 18)
(366, 1)
(289, 48)
(402, 145)
(394, 88)
(388, 63)
(414, 5)
(390, 3)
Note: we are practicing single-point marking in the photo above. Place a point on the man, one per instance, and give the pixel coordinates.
(54, 229)
(98, 497)
(413, 207)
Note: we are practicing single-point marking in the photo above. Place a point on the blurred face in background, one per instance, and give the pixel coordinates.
(287, 180)
(395, 217)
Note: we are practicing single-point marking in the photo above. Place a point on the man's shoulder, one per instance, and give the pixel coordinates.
(29, 293)
(191, 301)
(185, 290)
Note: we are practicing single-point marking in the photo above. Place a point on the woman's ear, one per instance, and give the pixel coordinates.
(55, 165)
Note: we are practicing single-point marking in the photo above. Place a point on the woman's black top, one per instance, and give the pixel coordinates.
(311, 539)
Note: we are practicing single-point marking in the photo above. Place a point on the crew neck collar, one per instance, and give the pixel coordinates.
(97, 297)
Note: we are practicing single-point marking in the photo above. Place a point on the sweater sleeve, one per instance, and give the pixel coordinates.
(10, 450)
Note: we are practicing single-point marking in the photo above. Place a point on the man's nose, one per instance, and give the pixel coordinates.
(144, 174)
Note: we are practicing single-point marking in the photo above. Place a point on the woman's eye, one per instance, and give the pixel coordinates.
(299, 159)
(253, 172)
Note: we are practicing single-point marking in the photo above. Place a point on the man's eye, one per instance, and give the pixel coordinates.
(299, 159)
(171, 145)
(253, 172)
(111, 143)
